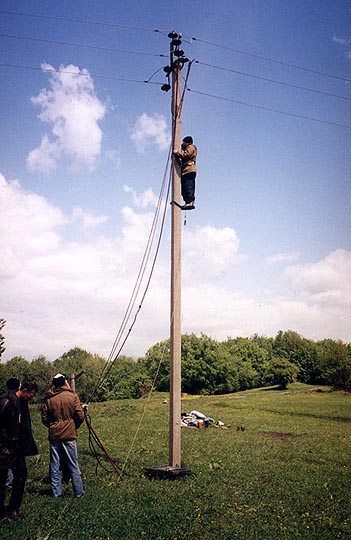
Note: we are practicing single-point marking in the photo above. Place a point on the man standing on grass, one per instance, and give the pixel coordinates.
(16, 442)
(62, 413)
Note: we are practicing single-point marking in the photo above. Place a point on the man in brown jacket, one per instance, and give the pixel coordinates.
(62, 413)
(187, 160)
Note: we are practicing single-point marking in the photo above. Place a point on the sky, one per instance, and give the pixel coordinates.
(84, 152)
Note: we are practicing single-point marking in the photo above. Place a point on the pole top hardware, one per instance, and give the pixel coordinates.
(178, 53)
(165, 87)
(183, 60)
(176, 42)
(174, 35)
(177, 59)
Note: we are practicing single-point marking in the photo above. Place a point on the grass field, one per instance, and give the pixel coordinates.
(286, 476)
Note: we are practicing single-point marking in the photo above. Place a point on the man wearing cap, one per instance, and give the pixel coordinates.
(187, 160)
(62, 414)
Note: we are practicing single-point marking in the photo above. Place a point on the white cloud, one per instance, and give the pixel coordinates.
(88, 219)
(326, 282)
(281, 258)
(58, 293)
(209, 252)
(115, 157)
(73, 111)
(147, 198)
(45, 158)
(150, 130)
(342, 40)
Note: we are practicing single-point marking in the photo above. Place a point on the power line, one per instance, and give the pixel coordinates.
(80, 74)
(141, 53)
(274, 60)
(82, 21)
(120, 341)
(191, 38)
(82, 45)
(268, 109)
(274, 81)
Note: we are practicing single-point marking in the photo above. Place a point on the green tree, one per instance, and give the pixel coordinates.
(251, 360)
(301, 352)
(18, 367)
(156, 363)
(206, 366)
(335, 363)
(41, 371)
(2, 339)
(283, 372)
(126, 379)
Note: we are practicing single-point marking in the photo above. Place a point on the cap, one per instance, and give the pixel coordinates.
(59, 380)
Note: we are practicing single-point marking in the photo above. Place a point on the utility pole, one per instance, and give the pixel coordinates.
(177, 61)
(176, 267)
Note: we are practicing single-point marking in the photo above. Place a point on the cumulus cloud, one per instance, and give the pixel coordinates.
(144, 200)
(342, 40)
(115, 157)
(281, 258)
(72, 110)
(88, 219)
(324, 282)
(58, 290)
(209, 252)
(150, 130)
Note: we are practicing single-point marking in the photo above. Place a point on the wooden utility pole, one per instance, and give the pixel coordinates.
(72, 382)
(177, 61)
(175, 315)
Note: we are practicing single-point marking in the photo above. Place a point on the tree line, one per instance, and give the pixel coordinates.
(208, 366)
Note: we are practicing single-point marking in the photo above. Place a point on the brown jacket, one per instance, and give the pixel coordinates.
(62, 413)
(187, 159)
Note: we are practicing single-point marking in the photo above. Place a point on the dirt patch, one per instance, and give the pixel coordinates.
(279, 435)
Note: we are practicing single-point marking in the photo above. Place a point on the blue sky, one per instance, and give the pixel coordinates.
(82, 160)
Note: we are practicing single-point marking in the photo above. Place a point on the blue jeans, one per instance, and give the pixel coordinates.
(188, 187)
(65, 452)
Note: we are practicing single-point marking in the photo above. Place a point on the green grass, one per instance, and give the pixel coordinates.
(287, 476)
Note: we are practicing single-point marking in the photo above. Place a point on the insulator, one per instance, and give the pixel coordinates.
(165, 87)
(168, 69)
(172, 35)
(179, 53)
(183, 60)
(176, 42)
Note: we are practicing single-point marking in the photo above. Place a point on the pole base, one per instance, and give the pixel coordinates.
(167, 472)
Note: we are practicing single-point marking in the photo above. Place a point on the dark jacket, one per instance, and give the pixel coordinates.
(10, 418)
(26, 442)
(62, 413)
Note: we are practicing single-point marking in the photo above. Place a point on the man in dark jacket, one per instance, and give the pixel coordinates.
(62, 413)
(16, 442)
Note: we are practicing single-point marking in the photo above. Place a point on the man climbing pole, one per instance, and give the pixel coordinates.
(187, 160)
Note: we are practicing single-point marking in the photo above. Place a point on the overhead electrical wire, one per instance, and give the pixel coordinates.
(162, 55)
(80, 74)
(114, 354)
(83, 21)
(269, 109)
(274, 60)
(82, 45)
(119, 341)
(189, 37)
(274, 81)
